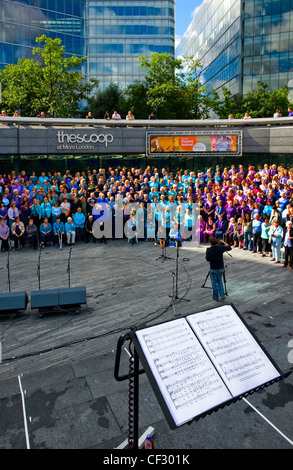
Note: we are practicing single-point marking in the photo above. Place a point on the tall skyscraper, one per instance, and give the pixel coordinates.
(241, 42)
(111, 33)
(119, 31)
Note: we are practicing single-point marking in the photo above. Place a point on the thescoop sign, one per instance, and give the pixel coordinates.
(64, 138)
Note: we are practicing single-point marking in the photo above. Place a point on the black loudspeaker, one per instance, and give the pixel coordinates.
(65, 297)
(45, 298)
(13, 301)
(72, 296)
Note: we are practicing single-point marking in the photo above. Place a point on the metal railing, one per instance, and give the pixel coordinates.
(60, 122)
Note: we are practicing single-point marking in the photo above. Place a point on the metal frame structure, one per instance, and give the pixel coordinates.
(195, 133)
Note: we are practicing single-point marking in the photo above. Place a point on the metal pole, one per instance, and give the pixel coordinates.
(135, 400)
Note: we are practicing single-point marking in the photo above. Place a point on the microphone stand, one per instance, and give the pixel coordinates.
(60, 239)
(39, 266)
(163, 255)
(8, 270)
(175, 297)
(68, 266)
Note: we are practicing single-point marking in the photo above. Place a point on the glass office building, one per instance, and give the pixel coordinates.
(213, 38)
(21, 21)
(119, 31)
(241, 42)
(267, 43)
(111, 33)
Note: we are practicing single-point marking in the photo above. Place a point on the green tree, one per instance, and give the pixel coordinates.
(136, 99)
(259, 103)
(262, 102)
(228, 104)
(110, 99)
(51, 82)
(196, 103)
(173, 87)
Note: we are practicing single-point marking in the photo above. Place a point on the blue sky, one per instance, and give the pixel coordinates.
(183, 12)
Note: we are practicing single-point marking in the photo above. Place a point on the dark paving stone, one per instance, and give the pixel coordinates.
(66, 361)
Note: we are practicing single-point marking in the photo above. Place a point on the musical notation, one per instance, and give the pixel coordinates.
(186, 376)
(238, 357)
(204, 360)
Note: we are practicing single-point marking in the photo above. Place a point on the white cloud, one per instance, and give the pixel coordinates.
(177, 40)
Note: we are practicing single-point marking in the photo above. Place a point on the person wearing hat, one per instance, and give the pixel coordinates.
(288, 245)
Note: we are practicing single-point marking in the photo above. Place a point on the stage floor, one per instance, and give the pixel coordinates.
(65, 360)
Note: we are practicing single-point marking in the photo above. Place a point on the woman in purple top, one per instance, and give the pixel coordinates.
(3, 212)
(238, 234)
(229, 234)
(209, 208)
(220, 209)
(230, 211)
(284, 179)
(24, 212)
(221, 227)
(210, 229)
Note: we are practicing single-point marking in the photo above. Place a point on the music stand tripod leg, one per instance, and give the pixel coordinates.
(225, 284)
(163, 255)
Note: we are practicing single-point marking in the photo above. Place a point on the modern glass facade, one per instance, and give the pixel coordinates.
(267, 43)
(242, 42)
(111, 33)
(21, 21)
(213, 38)
(119, 31)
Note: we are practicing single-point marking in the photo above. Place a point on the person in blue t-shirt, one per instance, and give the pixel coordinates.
(276, 235)
(70, 231)
(79, 221)
(59, 232)
(256, 233)
(45, 233)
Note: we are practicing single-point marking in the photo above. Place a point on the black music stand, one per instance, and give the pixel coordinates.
(153, 344)
(163, 256)
(133, 377)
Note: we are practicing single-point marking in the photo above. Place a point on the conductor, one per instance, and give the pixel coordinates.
(214, 255)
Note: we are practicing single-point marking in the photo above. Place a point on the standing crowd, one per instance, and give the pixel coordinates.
(251, 208)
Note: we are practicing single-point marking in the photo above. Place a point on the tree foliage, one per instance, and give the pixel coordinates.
(259, 103)
(173, 87)
(50, 82)
(110, 99)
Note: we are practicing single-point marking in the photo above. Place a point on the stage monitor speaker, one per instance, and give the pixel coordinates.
(72, 296)
(51, 298)
(44, 298)
(13, 301)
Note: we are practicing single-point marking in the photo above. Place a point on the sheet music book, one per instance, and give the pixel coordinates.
(202, 361)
